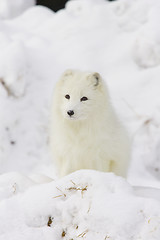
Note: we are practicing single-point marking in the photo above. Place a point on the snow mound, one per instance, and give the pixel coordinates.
(13, 183)
(86, 204)
(146, 53)
(13, 69)
(10, 8)
(146, 50)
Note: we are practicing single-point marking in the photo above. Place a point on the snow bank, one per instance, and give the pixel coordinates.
(84, 205)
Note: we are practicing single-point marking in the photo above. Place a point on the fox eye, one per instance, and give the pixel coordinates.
(67, 96)
(84, 99)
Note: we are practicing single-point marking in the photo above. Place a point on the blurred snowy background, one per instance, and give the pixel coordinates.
(121, 41)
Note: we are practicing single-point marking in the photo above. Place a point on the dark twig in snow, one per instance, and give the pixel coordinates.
(50, 220)
(81, 235)
(62, 195)
(8, 90)
(76, 188)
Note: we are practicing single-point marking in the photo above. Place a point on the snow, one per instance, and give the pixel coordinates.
(119, 39)
(10, 8)
(86, 204)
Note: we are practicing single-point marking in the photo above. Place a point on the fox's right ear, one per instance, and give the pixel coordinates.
(67, 73)
(65, 76)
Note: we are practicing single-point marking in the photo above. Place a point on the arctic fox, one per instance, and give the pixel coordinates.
(85, 131)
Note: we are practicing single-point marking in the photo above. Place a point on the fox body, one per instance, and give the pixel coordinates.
(85, 131)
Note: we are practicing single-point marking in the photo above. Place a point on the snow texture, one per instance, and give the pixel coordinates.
(10, 8)
(121, 41)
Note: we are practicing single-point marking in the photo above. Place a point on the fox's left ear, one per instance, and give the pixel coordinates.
(95, 78)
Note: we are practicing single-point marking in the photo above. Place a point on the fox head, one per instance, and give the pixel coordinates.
(79, 94)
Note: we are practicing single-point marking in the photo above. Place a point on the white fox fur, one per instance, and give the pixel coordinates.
(92, 137)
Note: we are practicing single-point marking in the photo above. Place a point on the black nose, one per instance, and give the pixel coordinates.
(70, 113)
